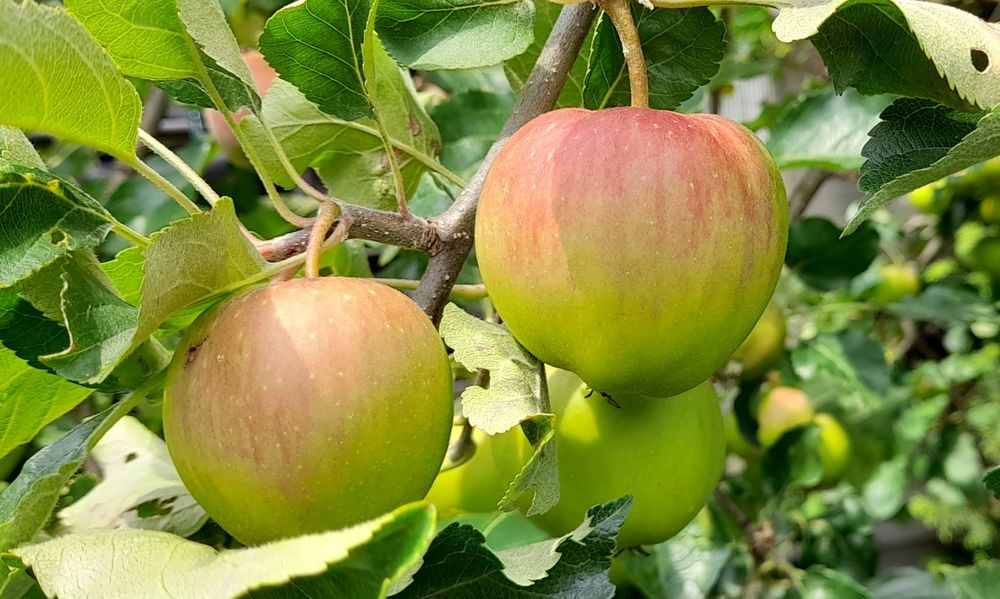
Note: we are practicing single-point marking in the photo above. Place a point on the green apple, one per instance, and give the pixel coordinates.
(781, 410)
(308, 405)
(834, 448)
(763, 347)
(667, 453)
(896, 281)
(987, 256)
(473, 487)
(989, 209)
(635, 247)
(933, 198)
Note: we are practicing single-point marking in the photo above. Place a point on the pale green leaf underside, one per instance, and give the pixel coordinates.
(146, 39)
(30, 399)
(947, 35)
(56, 78)
(135, 468)
(16, 149)
(455, 34)
(982, 143)
(42, 219)
(89, 564)
(513, 397)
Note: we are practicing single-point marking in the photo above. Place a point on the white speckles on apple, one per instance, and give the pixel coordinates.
(371, 292)
(347, 297)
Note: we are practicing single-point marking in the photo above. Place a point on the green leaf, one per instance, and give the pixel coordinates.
(31, 399)
(27, 332)
(918, 143)
(470, 121)
(908, 582)
(360, 561)
(822, 259)
(455, 34)
(820, 581)
(16, 150)
(824, 130)
(903, 47)
(831, 375)
(316, 45)
(992, 481)
(458, 562)
(139, 487)
(682, 48)
(514, 396)
(125, 272)
(947, 305)
(185, 44)
(43, 218)
(519, 67)
(27, 504)
(884, 492)
(192, 261)
(974, 582)
(687, 565)
(146, 39)
(101, 324)
(57, 79)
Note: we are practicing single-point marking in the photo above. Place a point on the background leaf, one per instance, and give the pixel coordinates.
(682, 47)
(454, 34)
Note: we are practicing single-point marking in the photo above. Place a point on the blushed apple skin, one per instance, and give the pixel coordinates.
(308, 405)
(667, 453)
(781, 410)
(635, 247)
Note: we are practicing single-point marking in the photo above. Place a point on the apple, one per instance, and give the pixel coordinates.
(986, 256)
(308, 405)
(989, 209)
(635, 247)
(763, 347)
(834, 448)
(781, 410)
(933, 198)
(667, 453)
(263, 76)
(473, 487)
(896, 281)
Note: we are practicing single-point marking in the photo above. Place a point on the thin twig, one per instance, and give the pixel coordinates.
(804, 192)
(327, 213)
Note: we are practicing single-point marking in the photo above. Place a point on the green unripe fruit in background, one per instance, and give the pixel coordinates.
(781, 410)
(987, 256)
(933, 198)
(989, 209)
(763, 347)
(308, 405)
(896, 281)
(834, 448)
(635, 247)
(665, 452)
(472, 487)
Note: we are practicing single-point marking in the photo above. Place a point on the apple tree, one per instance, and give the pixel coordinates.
(588, 298)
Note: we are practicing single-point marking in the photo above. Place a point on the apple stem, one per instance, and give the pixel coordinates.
(327, 213)
(620, 13)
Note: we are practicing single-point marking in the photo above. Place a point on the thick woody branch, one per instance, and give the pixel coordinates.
(455, 227)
